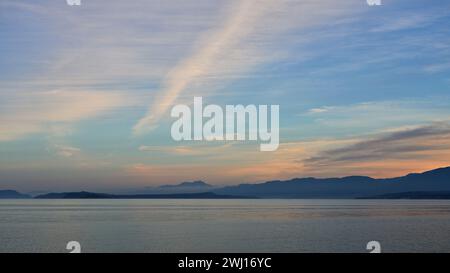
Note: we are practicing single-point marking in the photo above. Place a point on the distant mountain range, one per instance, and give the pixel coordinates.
(10, 194)
(184, 187)
(91, 195)
(434, 184)
(193, 184)
(412, 195)
(346, 187)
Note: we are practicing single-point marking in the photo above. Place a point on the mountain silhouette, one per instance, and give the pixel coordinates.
(11, 194)
(183, 187)
(93, 195)
(412, 195)
(199, 184)
(345, 187)
(434, 184)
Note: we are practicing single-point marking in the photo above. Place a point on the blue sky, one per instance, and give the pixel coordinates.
(86, 91)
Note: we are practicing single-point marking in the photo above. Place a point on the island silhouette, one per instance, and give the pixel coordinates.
(433, 184)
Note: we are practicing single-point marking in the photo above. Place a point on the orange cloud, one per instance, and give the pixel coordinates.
(384, 155)
(36, 112)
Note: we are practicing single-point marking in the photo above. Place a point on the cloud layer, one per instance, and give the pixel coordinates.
(37, 112)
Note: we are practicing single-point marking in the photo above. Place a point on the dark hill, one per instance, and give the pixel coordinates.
(91, 195)
(11, 194)
(345, 187)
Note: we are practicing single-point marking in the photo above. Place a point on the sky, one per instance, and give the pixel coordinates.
(86, 91)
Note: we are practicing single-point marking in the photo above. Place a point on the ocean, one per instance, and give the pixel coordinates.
(237, 225)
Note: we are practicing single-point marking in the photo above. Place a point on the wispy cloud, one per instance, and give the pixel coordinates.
(218, 42)
(66, 151)
(234, 163)
(41, 111)
(319, 110)
(436, 68)
(194, 150)
(428, 145)
(373, 116)
(248, 36)
(407, 21)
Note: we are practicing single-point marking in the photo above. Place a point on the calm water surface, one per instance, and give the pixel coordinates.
(224, 225)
